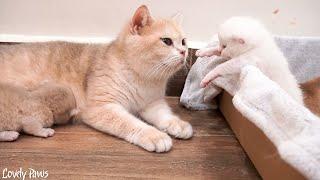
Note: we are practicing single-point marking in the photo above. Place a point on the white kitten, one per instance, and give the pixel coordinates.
(246, 41)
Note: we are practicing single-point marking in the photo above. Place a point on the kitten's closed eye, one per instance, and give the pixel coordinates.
(167, 41)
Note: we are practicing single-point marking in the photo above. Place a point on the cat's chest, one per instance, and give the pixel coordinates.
(144, 95)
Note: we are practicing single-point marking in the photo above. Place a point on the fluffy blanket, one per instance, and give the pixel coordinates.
(292, 128)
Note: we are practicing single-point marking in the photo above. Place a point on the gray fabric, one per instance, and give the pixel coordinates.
(193, 96)
(303, 54)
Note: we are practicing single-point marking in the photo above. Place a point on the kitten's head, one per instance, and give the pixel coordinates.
(240, 34)
(156, 48)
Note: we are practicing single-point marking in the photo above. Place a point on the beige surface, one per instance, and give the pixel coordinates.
(104, 18)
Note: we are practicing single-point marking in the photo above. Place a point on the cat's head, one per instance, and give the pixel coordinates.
(238, 35)
(155, 48)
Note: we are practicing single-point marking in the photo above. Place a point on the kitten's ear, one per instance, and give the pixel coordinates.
(239, 40)
(140, 19)
(178, 18)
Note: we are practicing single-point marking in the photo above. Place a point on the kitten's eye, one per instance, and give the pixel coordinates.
(167, 41)
(224, 46)
(183, 42)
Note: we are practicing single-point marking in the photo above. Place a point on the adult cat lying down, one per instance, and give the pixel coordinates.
(34, 112)
(114, 83)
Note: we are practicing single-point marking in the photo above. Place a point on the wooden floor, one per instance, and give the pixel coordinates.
(79, 152)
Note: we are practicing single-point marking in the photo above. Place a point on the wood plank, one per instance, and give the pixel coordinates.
(79, 152)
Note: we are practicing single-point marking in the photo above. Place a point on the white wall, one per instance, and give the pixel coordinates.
(102, 19)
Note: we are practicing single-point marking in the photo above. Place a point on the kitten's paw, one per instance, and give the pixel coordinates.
(152, 139)
(46, 132)
(200, 53)
(212, 75)
(204, 84)
(9, 135)
(179, 128)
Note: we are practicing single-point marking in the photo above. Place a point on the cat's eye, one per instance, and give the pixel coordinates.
(167, 41)
(184, 42)
(224, 46)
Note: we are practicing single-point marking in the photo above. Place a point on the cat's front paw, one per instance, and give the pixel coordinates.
(9, 135)
(152, 139)
(45, 132)
(178, 128)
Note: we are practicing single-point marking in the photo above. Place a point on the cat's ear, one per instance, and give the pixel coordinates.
(140, 19)
(178, 18)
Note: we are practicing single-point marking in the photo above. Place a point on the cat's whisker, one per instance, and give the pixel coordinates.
(168, 66)
(153, 70)
(161, 66)
(163, 71)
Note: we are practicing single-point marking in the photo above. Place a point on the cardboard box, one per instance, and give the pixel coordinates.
(258, 147)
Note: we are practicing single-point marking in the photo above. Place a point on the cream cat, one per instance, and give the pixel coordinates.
(246, 41)
(114, 84)
(34, 112)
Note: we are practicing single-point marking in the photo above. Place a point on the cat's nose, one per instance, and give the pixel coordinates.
(183, 52)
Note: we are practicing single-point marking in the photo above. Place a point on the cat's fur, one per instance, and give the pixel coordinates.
(246, 41)
(34, 112)
(311, 94)
(114, 84)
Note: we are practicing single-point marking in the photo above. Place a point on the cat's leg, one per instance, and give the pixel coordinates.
(34, 127)
(232, 66)
(8, 135)
(160, 115)
(207, 52)
(114, 119)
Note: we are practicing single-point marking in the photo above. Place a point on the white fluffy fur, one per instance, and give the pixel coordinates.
(246, 41)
